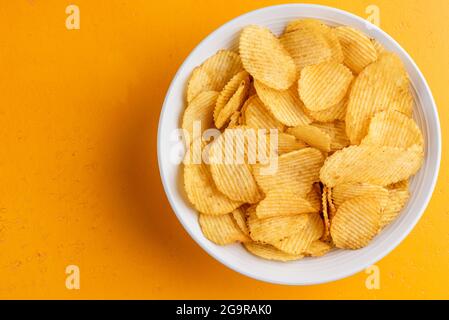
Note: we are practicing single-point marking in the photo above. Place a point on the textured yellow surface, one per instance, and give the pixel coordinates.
(79, 181)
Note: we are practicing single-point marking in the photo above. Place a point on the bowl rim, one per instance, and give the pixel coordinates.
(369, 261)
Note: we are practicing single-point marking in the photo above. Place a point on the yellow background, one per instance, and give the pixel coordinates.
(79, 180)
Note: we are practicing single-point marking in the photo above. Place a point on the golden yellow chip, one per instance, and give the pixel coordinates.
(382, 85)
(324, 85)
(326, 218)
(284, 105)
(264, 57)
(398, 196)
(231, 98)
(234, 120)
(296, 171)
(239, 216)
(393, 129)
(313, 136)
(315, 197)
(257, 116)
(358, 50)
(337, 112)
(356, 222)
(271, 230)
(347, 191)
(214, 73)
(200, 112)
(331, 208)
(299, 242)
(269, 252)
(378, 46)
(221, 229)
(288, 143)
(337, 133)
(279, 203)
(371, 164)
(203, 193)
(230, 169)
(318, 248)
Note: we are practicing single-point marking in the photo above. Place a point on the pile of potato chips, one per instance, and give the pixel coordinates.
(346, 144)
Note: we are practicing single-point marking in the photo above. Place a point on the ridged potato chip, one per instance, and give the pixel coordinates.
(239, 216)
(288, 143)
(284, 105)
(318, 248)
(231, 98)
(214, 73)
(398, 195)
(257, 115)
(232, 175)
(296, 171)
(200, 110)
(264, 57)
(331, 207)
(358, 50)
(279, 203)
(324, 85)
(203, 193)
(337, 112)
(301, 241)
(393, 129)
(347, 191)
(222, 229)
(315, 197)
(378, 46)
(356, 222)
(269, 252)
(382, 85)
(326, 218)
(371, 164)
(313, 136)
(336, 132)
(234, 120)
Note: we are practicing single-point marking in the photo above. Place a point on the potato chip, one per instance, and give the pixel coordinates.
(336, 132)
(271, 230)
(257, 116)
(371, 164)
(288, 143)
(299, 242)
(264, 57)
(313, 136)
(358, 50)
(234, 120)
(221, 229)
(284, 105)
(214, 73)
(347, 191)
(199, 112)
(393, 129)
(318, 248)
(231, 98)
(337, 112)
(239, 216)
(326, 218)
(378, 46)
(382, 85)
(279, 203)
(324, 85)
(398, 195)
(230, 170)
(269, 252)
(331, 208)
(296, 171)
(314, 197)
(356, 222)
(203, 193)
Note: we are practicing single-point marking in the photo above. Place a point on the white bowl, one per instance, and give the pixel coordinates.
(339, 263)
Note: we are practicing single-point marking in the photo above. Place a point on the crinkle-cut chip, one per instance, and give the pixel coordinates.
(200, 112)
(264, 57)
(314, 197)
(299, 24)
(271, 230)
(382, 85)
(214, 73)
(324, 85)
(347, 191)
(288, 143)
(300, 241)
(230, 169)
(378, 46)
(358, 50)
(356, 222)
(401, 185)
(278, 203)
(257, 116)
(202, 192)
(318, 248)
(295, 171)
(337, 132)
(393, 129)
(221, 229)
(285, 105)
(234, 120)
(337, 112)
(239, 216)
(269, 252)
(313, 136)
(398, 195)
(331, 207)
(371, 164)
(326, 218)
(231, 98)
